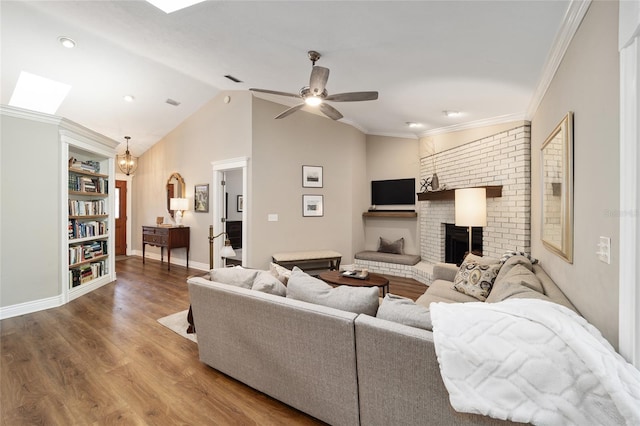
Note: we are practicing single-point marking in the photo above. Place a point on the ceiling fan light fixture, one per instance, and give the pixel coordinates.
(413, 125)
(313, 100)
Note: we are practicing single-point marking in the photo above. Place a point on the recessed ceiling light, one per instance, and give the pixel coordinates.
(168, 6)
(67, 42)
(413, 125)
(128, 98)
(451, 113)
(38, 93)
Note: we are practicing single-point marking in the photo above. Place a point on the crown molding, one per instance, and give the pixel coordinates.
(476, 124)
(28, 114)
(572, 18)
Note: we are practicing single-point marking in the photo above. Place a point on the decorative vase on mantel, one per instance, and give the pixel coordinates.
(435, 184)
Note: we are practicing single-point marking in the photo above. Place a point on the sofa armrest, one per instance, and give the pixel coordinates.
(444, 271)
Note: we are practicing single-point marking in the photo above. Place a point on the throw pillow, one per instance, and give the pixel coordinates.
(359, 300)
(475, 279)
(519, 282)
(483, 260)
(404, 311)
(510, 263)
(238, 276)
(388, 246)
(509, 254)
(280, 272)
(267, 283)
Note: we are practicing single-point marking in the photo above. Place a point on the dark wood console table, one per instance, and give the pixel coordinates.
(169, 237)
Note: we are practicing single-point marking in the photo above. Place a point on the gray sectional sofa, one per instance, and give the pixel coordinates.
(340, 367)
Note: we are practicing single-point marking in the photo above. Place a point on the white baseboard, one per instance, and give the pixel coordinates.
(31, 307)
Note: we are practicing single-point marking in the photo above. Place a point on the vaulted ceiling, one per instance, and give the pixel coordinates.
(484, 59)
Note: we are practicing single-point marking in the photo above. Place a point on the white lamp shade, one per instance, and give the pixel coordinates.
(227, 251)
(471, 207)
(179, 204)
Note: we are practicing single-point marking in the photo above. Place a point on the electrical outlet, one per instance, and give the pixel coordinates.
(604, 250)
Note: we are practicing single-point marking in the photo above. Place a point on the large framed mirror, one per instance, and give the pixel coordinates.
(175, 189)
(557, 189)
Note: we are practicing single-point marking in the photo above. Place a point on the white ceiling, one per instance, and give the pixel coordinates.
(483, 58)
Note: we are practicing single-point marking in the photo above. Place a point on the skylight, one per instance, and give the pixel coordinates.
(168, 6)
(38, 93)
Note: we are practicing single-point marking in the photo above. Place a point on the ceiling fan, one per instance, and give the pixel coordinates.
(315, 94)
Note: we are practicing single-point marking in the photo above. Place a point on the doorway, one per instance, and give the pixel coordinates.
(121, 217)
(230, 201)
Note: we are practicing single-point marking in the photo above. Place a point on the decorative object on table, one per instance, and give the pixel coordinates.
(127, 163)
(312, 176)
(201, 198)
(312, 205)
(361, 274)
(556, 172)
(179, 205)
(239, 203)
(471, 209)
(227, 250)
(159, 220)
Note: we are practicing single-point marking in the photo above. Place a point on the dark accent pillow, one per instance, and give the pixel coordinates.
(512, 253)
(388, 246)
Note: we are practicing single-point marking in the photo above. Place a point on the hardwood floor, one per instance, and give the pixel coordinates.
(104, 359)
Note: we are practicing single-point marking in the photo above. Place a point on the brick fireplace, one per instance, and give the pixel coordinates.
(501, 159)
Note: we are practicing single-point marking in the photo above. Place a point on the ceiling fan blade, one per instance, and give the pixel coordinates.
(330, 111)
(353, 96)
(290, 111)
(274, 92)
(318, 80)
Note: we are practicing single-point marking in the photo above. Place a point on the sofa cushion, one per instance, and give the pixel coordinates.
(476, 279)
(519, 282)
(482, 260)
(267, 283)
(236, 276)
(359, 300)
(510, 263)
(443, 291)
(400, 259)
(388, 246)
(280, 272)
(404, 311)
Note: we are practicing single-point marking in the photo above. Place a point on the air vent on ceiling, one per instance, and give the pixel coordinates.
(172, 102)
(232, 78)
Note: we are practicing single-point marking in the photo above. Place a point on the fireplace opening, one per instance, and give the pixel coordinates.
(456, 243)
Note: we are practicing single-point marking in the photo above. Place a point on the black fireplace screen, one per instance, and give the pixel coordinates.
(457, 242)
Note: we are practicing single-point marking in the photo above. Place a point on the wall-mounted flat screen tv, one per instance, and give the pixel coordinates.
(393, 192)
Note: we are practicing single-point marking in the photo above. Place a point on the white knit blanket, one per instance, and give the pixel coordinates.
(532, 361)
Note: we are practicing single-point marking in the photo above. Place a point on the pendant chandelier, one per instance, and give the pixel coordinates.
(127, 162)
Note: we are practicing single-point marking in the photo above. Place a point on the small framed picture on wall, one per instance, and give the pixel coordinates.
(201, 198)
(312, 205)
(312, 176)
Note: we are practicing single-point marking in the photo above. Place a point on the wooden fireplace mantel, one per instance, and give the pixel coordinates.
(493, 191)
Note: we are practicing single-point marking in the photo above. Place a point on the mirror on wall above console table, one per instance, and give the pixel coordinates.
(175, 189)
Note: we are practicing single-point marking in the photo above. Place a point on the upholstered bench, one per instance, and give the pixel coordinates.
(309, 260)
(376, 256)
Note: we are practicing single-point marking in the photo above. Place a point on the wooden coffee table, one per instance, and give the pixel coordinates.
(373, 280)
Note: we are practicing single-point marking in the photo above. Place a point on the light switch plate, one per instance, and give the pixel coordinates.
(604, 250)
(272, 217)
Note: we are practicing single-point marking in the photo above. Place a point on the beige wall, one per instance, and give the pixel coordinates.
(218, 131)
(280, 149)
(30, 211)
(587, 83)
(392, 158)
